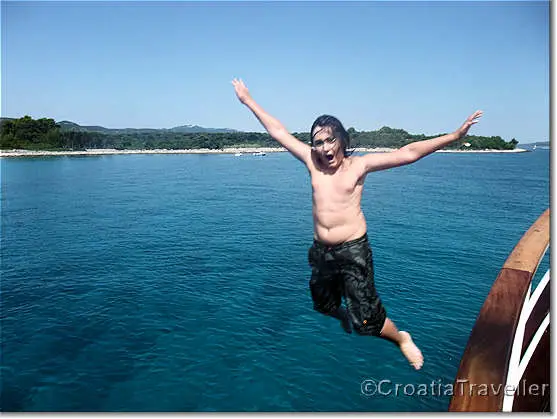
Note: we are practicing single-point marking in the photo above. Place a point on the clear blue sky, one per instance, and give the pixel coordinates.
(420, 66)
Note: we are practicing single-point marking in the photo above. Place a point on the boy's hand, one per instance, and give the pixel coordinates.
(241, 90)
(472, 119)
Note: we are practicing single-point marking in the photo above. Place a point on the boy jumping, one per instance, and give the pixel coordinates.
(340, 257)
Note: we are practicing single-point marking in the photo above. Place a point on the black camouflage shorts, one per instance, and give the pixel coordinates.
(346, 270)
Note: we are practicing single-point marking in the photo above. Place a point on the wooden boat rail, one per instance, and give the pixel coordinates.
(505, 366)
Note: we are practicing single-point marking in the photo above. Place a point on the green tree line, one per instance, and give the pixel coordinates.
(45, 134)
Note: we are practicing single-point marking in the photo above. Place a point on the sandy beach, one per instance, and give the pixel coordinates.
(247, 151)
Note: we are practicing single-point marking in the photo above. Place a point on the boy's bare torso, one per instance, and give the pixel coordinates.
(337, 213)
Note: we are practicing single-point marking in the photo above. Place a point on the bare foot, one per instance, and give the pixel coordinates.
(410, 350)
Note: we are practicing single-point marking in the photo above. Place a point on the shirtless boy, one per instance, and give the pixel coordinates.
(341, 257)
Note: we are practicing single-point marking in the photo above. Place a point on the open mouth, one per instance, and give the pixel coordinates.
(330, 157)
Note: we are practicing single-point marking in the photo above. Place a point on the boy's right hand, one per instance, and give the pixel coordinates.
(241, 90)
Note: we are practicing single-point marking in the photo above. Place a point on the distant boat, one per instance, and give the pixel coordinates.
(259, 153)
(238, 154)
(540, 147)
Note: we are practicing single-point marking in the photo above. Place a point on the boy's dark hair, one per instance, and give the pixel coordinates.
(338, 131)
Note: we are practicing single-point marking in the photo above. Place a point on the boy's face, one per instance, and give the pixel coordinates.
(327, 148)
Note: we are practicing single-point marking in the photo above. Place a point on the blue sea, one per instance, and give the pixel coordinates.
(180, 282)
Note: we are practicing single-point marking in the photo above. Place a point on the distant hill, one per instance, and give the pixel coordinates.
(72, 126)
(197, 128)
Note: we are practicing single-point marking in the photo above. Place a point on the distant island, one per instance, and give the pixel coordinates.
(46, 134)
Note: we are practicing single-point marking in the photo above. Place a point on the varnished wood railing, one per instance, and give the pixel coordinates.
(482, 379)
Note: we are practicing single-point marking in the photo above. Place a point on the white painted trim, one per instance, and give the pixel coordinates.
(508, 399)
(516, 366)
(533, 345)
(537, 293)
(516, 351)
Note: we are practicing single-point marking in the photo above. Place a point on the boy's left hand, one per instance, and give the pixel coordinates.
(472, 119)
(241, 90)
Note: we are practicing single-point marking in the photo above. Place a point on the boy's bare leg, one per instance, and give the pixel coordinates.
(404, 342)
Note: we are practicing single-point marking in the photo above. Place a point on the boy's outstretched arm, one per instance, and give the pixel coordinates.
(273, 126)
(418, 149)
